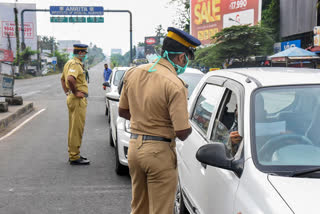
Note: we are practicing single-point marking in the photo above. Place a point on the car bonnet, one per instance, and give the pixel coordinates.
(301, 194)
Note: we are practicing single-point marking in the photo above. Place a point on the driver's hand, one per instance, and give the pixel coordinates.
(235, 137)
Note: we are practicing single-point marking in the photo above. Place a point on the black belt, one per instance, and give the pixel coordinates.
(148, 137)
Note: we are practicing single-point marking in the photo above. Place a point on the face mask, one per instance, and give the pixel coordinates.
(82, 57)
(179, 69)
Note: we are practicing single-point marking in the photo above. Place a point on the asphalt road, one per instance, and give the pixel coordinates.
(35, 176)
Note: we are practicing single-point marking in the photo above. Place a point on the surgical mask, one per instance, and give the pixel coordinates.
(179, 69)
(82, 57)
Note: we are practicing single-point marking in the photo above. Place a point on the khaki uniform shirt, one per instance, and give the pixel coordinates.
(156, 100)
(74, 67)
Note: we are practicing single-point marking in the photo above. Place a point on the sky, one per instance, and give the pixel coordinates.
(114, 32)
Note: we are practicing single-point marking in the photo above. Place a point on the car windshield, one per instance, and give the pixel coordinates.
(192, 81)
(285, 127)
(118, 76)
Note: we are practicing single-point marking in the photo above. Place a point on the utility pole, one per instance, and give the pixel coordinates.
(15, 10)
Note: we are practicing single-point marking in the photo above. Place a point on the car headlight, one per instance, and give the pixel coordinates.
(127, 126)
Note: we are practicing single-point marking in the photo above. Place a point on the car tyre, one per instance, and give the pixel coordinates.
(119, 168)
(179, 206)
(107, 111)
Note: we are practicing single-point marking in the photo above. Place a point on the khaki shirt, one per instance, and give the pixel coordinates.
(74, 67)
(156, 100)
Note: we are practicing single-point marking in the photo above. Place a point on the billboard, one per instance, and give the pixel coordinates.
(290, 44)
(7, 26)
(209, 17)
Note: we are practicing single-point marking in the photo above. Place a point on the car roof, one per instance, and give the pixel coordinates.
(121, 68)
(273, 76)
(193, 71)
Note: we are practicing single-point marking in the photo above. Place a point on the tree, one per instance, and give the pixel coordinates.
(182, 19)
(48, 43)
(271, 18)
(242, 41)
(160, 31)
(95, 55)
(25, 58)
(235, 43)
(62, 58)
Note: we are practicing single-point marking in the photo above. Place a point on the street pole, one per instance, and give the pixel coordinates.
(130, 14)
(54, 65)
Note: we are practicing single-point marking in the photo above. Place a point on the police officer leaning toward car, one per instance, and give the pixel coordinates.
(75, 86)
(154, 99)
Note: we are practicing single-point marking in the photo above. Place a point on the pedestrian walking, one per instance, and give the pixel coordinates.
(154, 99)
(75, 86)
(107, 72)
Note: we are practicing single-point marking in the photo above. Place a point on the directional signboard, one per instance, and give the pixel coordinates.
(59, 19)
(95, 19)
(75, 10)
(77, 19)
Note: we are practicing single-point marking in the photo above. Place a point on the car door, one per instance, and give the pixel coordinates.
(219, 186)
(190, 174)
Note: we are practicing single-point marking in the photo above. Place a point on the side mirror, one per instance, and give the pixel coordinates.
(215, 154)
(113, 96)
(106, 84)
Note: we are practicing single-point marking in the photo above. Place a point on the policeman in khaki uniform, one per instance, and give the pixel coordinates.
(154, 99)
(75, 86)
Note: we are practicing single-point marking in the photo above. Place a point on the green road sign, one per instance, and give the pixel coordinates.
(58, 19)
(77, 19)
(95, 19)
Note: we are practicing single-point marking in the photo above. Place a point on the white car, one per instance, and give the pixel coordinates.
(112, 84)
(276, 166)
(120, 127)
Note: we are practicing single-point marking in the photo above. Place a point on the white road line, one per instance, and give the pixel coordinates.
(22, 124)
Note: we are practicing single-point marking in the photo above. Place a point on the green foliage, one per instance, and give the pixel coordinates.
(95, 55)
(25, 56)
(62, 58)
(160, 31)
(271, 18)
(47, 43)
(236, 43)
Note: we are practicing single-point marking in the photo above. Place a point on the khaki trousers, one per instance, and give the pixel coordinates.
(154, 176)
(77, 115)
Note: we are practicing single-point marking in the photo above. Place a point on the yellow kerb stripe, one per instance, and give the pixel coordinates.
(179, 39)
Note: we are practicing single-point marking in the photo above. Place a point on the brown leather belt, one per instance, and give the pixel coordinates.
(149, 137)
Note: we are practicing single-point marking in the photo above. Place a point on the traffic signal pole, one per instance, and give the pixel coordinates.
(23, 46)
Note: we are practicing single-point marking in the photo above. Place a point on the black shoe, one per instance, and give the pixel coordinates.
(80, 161)
(83, 158)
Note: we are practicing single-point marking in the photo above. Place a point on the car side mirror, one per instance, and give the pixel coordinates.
(106, 84)
(215, 154)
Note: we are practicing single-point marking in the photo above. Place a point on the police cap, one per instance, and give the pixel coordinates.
(80, 47)
(183, 38)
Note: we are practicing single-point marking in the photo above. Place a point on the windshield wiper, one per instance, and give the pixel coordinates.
(298, 173)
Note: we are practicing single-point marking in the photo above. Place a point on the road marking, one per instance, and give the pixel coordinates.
(22, 124)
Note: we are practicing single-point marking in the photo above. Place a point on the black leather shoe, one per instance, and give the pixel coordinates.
(83, 158)
(80, 161)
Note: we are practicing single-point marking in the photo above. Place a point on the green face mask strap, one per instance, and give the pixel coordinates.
(151, 69)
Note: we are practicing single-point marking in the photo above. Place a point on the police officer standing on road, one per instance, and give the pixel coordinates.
(154, 99)
(75, 86)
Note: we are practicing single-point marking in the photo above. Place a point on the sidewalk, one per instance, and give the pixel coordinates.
(15, 112)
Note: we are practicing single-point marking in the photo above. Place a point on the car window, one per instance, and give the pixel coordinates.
(226, 122)
(206, 104)
(290, 137)
(192, 81)
(118, 76)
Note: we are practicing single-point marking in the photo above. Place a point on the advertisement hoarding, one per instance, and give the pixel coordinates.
(290, 44)
(209, 17)
(7, 26)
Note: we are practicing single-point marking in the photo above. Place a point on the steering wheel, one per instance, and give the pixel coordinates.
(277, 142)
